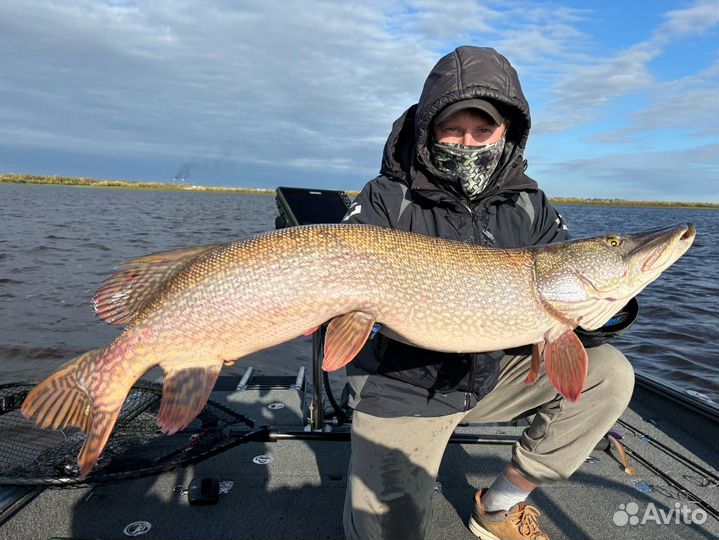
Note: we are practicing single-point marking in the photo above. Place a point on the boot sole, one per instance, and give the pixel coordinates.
(479, 531)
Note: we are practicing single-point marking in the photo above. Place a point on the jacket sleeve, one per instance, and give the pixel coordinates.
(549, 225)
(369, 207)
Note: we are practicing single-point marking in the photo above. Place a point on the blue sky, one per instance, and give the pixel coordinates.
(624, 95)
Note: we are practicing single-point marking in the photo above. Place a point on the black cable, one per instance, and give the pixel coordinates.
(341, 415)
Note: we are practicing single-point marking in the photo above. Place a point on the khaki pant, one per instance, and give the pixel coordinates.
(394, 461)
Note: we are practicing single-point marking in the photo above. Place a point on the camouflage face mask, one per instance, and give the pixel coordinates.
(470, 167)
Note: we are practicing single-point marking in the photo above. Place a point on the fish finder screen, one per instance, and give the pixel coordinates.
(307, 206)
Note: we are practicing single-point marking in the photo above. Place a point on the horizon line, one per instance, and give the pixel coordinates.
(26, 178)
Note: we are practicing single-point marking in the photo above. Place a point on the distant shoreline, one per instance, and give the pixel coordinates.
(159, 186)
(124, 184)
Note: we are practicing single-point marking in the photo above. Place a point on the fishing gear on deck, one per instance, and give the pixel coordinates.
(35, 457)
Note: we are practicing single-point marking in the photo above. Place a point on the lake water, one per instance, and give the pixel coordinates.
(57, 244)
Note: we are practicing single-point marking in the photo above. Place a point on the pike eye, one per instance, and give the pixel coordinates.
(614, 241)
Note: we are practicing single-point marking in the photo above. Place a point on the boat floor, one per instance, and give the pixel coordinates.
(300, 494)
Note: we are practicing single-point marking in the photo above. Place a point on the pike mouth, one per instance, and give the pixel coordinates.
(665, 247)
(653, 257)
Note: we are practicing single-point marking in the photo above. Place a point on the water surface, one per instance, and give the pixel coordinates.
(57, 243)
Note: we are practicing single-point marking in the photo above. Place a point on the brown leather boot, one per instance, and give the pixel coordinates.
(517, 523)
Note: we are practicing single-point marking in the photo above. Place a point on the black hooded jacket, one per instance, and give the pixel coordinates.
(390, 378)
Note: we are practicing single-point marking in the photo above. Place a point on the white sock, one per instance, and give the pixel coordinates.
(502, 495)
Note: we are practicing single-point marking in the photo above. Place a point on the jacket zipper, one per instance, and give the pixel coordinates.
(473, 368)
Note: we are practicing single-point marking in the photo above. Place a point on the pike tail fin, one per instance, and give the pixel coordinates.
(184, 394)
(565, 360)
(60, 400)
(99, 432)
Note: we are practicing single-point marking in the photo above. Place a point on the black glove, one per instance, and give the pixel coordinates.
(594, 338)
(614, 327)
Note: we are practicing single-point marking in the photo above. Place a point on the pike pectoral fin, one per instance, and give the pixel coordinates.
(128, 290)
(566, 363)
(345, 337)
(185, 392)
(533, 374)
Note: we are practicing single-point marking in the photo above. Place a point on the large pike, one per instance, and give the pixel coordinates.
(191, 310)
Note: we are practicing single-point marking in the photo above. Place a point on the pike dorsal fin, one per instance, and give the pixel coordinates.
(345, 337)
(127, 291)
(566, 363)
(185, 392)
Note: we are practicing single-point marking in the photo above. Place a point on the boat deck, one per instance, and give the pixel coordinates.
(300, 493)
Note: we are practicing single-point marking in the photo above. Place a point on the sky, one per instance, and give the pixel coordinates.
(624, 95)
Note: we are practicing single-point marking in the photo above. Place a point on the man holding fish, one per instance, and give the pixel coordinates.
(453, 168)
(434, 253)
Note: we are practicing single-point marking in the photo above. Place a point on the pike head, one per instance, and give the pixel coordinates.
(587, 281)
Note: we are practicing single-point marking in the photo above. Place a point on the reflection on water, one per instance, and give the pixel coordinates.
(58, 243)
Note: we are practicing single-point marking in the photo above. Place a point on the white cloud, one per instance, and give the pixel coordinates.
(443, 21)
(579, 97)
(291, 82)
(583, 91)
(700, 17)
(308, 85)
(542, 39)
(282, 81)
(682, 174)
(686, 105)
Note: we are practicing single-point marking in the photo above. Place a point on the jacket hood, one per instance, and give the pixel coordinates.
(467, 72)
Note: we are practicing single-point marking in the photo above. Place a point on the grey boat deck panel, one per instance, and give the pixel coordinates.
(300, 494)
